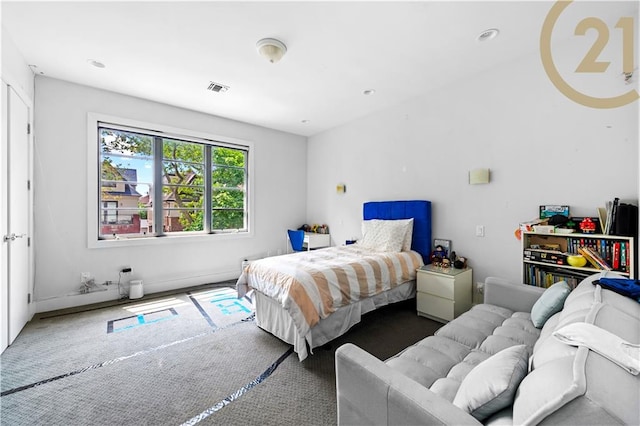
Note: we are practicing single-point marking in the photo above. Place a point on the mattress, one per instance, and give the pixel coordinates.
(312, 286)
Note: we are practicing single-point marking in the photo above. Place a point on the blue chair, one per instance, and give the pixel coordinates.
(296, 238)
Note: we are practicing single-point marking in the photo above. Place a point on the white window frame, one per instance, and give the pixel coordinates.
(93, 182)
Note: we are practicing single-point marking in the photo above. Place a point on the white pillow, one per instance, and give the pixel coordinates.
(408, 236)
(386, 235)
(492, 384)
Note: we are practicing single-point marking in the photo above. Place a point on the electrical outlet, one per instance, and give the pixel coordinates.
(479, 230)
(480, 287)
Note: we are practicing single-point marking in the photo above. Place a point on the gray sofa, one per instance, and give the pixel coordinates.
(563, 384)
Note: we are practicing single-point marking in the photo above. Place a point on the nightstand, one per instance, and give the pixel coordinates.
(443, 293)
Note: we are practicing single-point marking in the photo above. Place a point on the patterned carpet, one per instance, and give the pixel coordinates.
(188, 358)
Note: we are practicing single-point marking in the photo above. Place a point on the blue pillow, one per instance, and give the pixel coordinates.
(549, 303)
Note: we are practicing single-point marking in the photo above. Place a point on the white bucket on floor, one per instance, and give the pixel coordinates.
(136, 290)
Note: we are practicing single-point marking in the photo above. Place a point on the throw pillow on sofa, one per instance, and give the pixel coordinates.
(549, 303)
(492, 384)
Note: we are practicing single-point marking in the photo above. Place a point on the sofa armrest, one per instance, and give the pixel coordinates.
(370, 392)
(517, 297)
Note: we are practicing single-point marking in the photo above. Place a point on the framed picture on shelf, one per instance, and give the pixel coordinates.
(441, 248)
(549, 211)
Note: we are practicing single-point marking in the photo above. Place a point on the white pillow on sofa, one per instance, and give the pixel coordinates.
(387, 235)
(492, 384)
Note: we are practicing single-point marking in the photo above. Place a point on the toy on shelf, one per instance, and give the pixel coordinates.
(587, 226)
(315, 228)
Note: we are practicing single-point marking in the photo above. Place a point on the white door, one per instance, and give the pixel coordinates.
(4, 214)
(16, 237)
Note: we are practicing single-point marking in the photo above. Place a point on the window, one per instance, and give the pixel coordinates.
(154, 184)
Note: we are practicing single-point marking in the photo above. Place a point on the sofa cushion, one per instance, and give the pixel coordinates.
(517, 330)
(547, 329)
(491, 385)
(548, 388)
(441, 362)
(577, 306)
(473, 327)
(551, 302)
(558, 369)
(577, 378)
(446, 387)
(611, 387)
(429, 359)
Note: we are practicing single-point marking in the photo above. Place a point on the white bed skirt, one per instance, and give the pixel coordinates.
(271, 317)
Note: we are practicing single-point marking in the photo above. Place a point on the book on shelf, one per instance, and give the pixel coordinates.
(605, 248)
(604, 219)
(616, 255)
(546, 256)
(544, 276)
(594, 258)
(609, 214)
(614, 215)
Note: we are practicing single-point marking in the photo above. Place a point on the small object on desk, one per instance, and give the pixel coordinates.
(349, 242)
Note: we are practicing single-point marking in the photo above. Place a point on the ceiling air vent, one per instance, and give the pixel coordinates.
(217, 87)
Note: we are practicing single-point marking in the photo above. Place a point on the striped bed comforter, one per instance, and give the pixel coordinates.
(313, 284)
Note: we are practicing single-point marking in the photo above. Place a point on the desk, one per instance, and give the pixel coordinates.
(313, 240)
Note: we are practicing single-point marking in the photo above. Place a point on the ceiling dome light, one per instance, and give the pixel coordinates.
(271, 49)
(488, 34)
(369, 92)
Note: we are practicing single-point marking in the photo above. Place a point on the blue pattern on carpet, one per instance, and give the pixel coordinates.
(140, 320)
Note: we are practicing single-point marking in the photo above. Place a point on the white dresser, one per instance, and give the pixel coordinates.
(314, 240)
(443, 293)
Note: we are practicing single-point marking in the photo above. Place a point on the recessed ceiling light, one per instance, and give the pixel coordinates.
(368, 92)
(95, 63)
(488, 34)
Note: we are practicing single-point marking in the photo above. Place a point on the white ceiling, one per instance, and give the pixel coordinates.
(170, 51)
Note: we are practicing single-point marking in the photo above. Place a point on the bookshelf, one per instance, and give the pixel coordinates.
(546, 263)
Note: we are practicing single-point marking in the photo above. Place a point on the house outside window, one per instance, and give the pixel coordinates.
(109, 214)
(202, 184)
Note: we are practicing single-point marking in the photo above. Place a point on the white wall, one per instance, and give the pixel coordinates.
(15, 70)
(541, 147)
(61, 198)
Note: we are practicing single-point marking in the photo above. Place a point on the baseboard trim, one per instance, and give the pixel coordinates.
(112, 295)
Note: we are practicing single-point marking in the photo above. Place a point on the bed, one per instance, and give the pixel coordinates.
(309, 298)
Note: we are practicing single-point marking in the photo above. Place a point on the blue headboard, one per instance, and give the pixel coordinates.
(419, 210)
